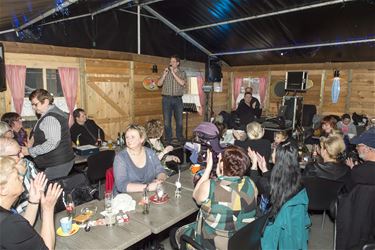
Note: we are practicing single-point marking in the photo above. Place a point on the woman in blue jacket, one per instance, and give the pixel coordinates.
(289, 223)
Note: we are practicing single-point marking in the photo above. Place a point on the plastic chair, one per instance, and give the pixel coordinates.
(321, 193)
(247, 237)
(97, 166)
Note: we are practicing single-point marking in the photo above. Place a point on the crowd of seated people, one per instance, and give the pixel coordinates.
(244, 182)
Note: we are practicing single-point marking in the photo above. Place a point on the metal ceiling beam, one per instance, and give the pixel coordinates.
(66, 19)
(295, 47)
(45, 14)
(135, 13)
(177, 30)
(267, 15)
(112, 6)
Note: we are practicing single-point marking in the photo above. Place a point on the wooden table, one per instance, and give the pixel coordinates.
(165, 215)
(102, 237)
(186, 180)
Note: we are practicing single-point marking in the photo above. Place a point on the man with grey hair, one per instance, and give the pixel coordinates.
(10, 147)
(363, 173)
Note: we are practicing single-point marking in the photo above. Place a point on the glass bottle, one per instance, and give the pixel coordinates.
(146, 203)
(99, 140)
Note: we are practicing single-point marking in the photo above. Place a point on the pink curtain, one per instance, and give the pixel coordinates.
(236, 91)
(69, 83)
(262, 90)
(16, 77)
(202, 97)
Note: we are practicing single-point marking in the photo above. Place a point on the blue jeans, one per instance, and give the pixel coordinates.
(172, 104)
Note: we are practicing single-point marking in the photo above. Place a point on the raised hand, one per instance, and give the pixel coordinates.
(209, 160)
(37, 187)
(48, 200)
(262, 163)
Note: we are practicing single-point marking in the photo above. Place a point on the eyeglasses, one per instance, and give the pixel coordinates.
(19, 154)
(35, 104)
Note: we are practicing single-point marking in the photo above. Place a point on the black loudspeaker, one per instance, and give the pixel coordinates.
(213, 70)
(3, 85)
(293, 112)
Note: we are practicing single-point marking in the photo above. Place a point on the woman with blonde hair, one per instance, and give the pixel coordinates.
(255, 140)
(16, 231)
(137, 167)
(333, 167)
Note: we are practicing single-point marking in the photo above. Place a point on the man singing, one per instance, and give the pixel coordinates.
(173, 82)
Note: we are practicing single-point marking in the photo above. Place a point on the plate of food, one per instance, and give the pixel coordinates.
(154, 199)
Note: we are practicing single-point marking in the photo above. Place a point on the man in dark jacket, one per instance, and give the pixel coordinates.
(86, 130)
(363, 173)
(248, 109)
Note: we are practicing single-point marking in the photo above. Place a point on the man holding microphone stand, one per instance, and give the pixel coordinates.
(173, 82)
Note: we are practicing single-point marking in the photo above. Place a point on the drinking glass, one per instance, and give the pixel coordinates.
(159, 191)
(69, 206)
(108, 202)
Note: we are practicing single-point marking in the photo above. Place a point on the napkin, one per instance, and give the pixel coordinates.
(123, 202)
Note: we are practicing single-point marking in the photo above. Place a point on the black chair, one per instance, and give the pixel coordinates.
(355, 219)
(247, 237)
(321, 193)
(97, 165)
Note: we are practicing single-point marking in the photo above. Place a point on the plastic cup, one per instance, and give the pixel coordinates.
(195, 168)
(66, 224)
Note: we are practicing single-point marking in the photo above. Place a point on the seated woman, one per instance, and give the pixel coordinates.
(289, 220)
(227, 203)
(346, 126)
(14, 120)
(136, 167)
(6, 131)
(16, 231)
(333, 167)
(255, 141)
(328, 125)
(281, 137)
(154, 131)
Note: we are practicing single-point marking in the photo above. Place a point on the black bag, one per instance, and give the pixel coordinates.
(78, 186)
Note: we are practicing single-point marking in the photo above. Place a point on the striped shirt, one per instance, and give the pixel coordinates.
(171, 87)
(52, 133)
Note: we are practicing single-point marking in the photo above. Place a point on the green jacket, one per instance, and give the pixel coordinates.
(290, 230)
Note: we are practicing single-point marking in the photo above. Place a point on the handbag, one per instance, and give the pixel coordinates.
(78, 186)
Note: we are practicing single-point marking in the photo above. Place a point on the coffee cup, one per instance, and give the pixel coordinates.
(195, 168)
(66, 224)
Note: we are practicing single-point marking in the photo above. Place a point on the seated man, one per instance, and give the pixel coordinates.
(85, 130)
(248, 109)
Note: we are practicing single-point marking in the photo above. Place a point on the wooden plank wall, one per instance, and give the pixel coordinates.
(357, 81)
(107, 94)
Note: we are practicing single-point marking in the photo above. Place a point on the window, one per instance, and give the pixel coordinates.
(43, 78)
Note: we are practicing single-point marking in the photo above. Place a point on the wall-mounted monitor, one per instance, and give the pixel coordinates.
(296, 81)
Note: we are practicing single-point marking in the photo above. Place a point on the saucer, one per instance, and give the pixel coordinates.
(154, 199)
(74, 230)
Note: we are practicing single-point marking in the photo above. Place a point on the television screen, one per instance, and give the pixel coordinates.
(296, 81)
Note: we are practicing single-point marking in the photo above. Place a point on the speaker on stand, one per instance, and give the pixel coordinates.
(213, 74)
(293, 112)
